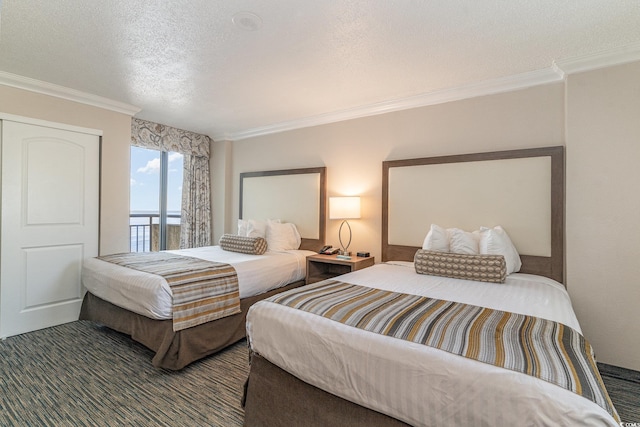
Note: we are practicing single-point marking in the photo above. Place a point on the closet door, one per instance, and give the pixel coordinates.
(50, 198)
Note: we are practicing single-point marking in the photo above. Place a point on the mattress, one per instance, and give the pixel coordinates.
(415, 383)
(150, 295)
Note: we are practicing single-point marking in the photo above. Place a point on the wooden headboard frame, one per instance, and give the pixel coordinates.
(552, 266)
(307, 243)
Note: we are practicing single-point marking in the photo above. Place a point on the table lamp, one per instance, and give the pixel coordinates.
(344, 208)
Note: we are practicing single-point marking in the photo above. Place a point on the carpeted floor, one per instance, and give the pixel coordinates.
(623, 386)
(81, 374)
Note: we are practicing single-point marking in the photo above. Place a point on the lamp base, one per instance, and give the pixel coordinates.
(344, 247)
(343, 257)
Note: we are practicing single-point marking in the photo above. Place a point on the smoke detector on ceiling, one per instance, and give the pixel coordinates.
(247, 21)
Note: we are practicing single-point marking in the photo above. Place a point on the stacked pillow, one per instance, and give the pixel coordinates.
(282, 237)
(486, 241)
(496, 241)
(254, 227)
(279, 236)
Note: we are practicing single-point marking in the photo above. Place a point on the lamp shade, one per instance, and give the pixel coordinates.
(344, 207)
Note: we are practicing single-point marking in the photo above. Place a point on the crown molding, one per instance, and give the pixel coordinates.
(38, 86)
(618, 56)
(487, 87)
(558, 71)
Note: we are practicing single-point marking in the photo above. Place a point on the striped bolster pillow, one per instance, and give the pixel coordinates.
(245, 245)
(483, 268)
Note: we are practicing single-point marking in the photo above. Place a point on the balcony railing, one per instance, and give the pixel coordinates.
(144, 232)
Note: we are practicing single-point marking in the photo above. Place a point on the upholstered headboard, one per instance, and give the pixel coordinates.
(292, 195)
(521, 190)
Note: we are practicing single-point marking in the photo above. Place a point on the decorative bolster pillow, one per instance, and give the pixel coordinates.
(245, 245)
(483, 268)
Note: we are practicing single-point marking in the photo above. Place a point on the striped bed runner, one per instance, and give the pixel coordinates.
(538, 347)
(202, 290)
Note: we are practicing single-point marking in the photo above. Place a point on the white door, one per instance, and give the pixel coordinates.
(50, 198)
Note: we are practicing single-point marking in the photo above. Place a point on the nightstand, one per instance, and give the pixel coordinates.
(320, 267)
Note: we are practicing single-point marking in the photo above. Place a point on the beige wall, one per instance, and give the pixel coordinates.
(603, 206)
(116, 137)
(353, 151)
(221, 197)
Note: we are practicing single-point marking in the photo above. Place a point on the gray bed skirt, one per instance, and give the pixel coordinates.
(273, 398)
(174, 350)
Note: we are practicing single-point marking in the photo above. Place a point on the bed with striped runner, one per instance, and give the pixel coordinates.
(538, 347)
(202, 290)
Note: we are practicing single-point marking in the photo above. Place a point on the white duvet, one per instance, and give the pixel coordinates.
(150, 295)
(415, 383)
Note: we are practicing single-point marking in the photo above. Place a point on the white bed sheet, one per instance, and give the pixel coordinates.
(415, 383)
(150, 295)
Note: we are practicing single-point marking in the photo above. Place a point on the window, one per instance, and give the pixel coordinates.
(155, 200)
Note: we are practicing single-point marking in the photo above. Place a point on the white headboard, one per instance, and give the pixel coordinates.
(292, 195)
(521, 190)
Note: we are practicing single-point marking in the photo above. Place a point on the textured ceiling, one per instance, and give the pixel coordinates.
(186, 64)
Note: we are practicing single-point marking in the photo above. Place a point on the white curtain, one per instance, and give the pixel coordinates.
(195, 223)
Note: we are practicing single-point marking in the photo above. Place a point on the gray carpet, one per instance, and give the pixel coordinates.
(623, 386)
(80, 374)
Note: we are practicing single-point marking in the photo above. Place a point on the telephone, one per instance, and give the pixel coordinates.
(328, 250)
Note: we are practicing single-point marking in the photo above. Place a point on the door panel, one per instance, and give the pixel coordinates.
(52, 158)
(57, 265)
(50, 198)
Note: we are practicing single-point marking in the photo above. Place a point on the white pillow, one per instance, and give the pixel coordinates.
(496, 241)
(437, 239)
(253, 227)
(243, 224)
(464, 242)
(257, 228)
(282, 237)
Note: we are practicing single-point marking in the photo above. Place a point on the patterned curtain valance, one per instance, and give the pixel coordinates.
(165, 138)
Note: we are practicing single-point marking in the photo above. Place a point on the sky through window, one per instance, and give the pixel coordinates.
(145, 181)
